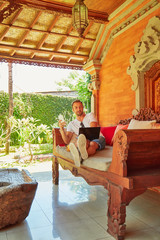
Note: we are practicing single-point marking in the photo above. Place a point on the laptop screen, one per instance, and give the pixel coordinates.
(91, 133)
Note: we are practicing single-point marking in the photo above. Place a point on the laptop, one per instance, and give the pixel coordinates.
(91, 133)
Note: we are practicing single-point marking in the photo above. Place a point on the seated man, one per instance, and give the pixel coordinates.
(83, 148)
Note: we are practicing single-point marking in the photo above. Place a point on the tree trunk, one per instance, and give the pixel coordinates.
(10, 92)
(30, 151)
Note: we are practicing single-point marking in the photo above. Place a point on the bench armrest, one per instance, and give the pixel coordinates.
(57, 138)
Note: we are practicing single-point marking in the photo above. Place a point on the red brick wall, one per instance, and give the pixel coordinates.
(116, 99)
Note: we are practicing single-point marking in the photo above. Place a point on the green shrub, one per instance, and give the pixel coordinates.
(44, 108)
(4, 105)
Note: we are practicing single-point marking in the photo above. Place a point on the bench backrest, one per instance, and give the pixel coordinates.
(135, 151)
(143, 151)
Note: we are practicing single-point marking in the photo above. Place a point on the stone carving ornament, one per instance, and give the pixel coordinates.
(147, 52)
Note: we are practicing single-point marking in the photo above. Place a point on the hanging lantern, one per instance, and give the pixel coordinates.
(80, 16)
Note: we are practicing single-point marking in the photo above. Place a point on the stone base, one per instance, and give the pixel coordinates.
(17, 191)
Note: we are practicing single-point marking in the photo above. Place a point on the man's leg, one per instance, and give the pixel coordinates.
(86, 148)
(75, 153)
(96, 144)
(93, 146)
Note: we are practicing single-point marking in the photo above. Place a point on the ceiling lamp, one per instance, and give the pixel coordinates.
(80, 16)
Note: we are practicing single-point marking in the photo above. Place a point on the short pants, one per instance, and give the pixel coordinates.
(101, 141)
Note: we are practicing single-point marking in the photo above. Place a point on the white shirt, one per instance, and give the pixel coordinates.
(74, 125)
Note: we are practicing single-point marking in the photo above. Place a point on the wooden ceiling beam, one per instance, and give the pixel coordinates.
(60, 44)
(41, 62)
(31, 26)
(21, 40)
(4, 33)
(62, 8)
(8, 26)
(81, 40)
(53, 23)
(16, 16)
(35, 19)
(42, 31)
(5, 46)
(41, 42)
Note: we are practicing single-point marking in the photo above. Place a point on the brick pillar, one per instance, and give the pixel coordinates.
(93, 67)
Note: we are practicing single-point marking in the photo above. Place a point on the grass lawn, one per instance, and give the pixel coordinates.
(20, 155)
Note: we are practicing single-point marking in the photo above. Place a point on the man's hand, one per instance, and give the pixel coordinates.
(61, 124)
(66, 136)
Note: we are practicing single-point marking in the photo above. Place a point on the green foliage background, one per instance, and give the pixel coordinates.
(4, 105)
(78, 82)
(45, 108)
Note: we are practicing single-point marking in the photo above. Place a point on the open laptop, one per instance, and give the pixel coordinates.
(91, 133)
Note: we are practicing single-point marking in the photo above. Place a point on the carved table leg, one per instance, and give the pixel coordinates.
(55, 170)
(116, 212)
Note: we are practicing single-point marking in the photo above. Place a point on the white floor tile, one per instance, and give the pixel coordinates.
(146, 234)
(86, 229)
(20, 235)
(95, 209)
(23, 226)
(3, 236)
(65, 214)
(151, 216)
(76, 211)
(45, 233)
(134, 224)
(102, 221)
(37, 219)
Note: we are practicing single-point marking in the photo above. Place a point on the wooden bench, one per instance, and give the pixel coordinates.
(135, 166)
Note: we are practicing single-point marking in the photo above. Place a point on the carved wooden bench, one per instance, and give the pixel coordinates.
(135, 166)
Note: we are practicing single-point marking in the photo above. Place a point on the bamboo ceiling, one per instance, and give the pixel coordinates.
(41, 31)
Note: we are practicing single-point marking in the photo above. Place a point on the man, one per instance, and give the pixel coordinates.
(83, 148)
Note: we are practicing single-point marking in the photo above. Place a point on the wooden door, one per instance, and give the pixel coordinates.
(152, 87)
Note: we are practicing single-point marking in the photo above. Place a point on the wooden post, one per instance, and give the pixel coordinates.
(55, 170)
(10, 92)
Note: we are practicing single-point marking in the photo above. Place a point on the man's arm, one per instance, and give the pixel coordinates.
(93, 120)
(93, 124)
(66, 136)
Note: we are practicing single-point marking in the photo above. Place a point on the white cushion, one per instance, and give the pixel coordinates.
(101, 160)
(135, 124)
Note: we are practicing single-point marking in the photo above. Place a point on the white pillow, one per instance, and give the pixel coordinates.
(135, 124)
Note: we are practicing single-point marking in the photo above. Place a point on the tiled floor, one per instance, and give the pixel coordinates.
(76, 211)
